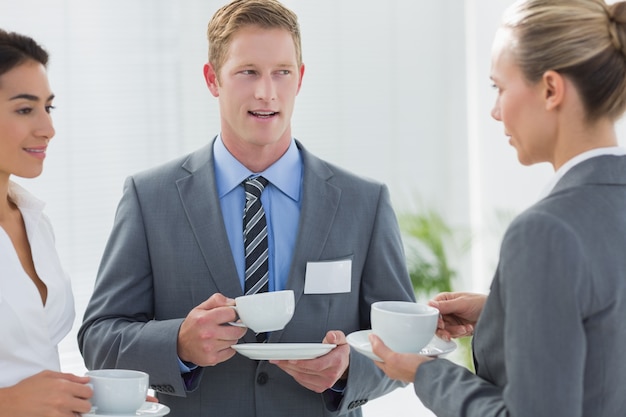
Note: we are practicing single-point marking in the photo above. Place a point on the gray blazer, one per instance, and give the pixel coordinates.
(552, 336)
(168, 252)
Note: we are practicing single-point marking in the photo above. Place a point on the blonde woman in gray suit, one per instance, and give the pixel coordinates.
(549, 338)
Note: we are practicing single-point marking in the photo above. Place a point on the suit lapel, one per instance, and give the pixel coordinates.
(198, 193)
(320, 201)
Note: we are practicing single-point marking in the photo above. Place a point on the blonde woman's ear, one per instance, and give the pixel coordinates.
(554, 86)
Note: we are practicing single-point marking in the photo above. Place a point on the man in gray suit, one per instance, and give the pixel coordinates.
(175, 258)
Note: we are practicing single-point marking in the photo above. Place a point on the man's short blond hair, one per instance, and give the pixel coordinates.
(267, 14)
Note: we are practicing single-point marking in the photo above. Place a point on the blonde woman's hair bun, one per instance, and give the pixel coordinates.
(617, 25)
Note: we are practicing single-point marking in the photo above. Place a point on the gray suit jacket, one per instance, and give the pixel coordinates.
(169, 251)
(552, 336)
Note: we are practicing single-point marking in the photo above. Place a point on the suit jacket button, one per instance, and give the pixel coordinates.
(262, 378)
(356, 404)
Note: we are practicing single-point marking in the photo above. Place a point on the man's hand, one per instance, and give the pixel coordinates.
(321, 373)
(204, 337)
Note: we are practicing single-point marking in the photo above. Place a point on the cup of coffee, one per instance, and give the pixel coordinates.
(404, 326)
(117, 391)
(265, 311)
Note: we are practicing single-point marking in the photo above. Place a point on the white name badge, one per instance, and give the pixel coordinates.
(328, 277)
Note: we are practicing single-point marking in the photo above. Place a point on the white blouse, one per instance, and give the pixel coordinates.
(30, 331)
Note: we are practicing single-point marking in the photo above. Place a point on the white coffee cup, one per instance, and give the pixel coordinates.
(265, 311)
(117, 391)
(404, 326)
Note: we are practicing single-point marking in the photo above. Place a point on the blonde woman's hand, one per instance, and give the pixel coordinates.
(398, 366)
(459, 312)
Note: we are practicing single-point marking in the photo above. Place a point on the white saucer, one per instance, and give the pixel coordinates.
(147, 409)
(283, 351)
(360, 342)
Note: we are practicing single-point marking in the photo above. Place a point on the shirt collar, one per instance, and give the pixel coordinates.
(611, 150)
(285, 174)
(23, 199)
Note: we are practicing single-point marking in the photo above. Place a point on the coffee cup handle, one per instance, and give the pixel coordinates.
(93, 407)
(236, 323)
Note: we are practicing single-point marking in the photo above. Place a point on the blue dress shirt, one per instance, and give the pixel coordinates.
(281, 201)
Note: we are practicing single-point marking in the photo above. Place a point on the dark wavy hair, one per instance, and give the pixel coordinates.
(15, 49)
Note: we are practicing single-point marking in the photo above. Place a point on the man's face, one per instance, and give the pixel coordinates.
(256, 87)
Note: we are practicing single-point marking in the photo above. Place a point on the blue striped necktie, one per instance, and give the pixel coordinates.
(255, 237)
